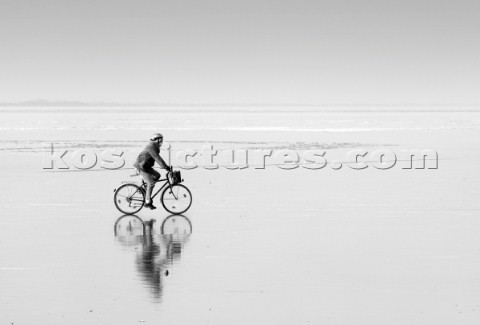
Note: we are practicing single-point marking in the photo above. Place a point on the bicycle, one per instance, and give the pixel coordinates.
(176, 198)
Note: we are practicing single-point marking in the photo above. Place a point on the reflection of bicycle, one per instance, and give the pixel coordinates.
(176, 198)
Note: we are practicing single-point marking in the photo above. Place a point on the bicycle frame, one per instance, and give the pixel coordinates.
(165, 185)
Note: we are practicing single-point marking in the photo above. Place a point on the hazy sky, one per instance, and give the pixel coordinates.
(244, 51)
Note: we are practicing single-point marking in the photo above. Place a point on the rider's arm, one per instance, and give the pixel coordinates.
(157, 158)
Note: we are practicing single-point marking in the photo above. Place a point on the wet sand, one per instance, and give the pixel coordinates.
(258, 246)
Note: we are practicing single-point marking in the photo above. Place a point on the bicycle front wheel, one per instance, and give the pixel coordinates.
(129, 198)
(176, 199)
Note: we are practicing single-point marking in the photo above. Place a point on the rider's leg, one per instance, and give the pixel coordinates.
(150, 180)
(148, 193)
(150, 176)
(156, 175)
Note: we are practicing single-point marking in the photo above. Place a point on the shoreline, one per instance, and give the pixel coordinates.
(227, 109)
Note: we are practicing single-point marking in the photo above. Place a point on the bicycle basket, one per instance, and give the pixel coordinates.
(174, 177)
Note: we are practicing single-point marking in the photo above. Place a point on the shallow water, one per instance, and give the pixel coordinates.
(258, 246)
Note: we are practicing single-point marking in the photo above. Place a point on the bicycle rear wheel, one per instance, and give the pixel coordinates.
(129, 198)
(176, 199)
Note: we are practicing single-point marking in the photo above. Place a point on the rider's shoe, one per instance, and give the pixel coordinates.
(150, 206)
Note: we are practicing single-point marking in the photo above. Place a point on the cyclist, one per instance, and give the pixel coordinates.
(144, 164)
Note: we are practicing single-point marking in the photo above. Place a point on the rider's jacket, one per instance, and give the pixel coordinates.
(146, 159)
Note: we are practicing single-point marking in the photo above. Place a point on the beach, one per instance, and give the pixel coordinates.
(330, 245)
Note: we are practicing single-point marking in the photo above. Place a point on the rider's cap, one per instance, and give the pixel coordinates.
(156, 136)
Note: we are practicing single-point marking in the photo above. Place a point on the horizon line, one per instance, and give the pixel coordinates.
(78, 103)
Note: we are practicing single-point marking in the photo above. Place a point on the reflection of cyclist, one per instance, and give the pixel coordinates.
(144, 163)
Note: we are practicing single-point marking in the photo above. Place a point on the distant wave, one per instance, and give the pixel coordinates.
(293, 129)
(257, 129)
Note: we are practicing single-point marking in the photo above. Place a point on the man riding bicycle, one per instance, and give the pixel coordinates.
(144, 164)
